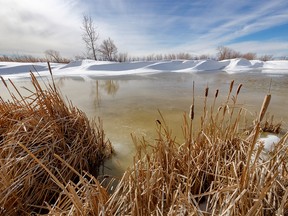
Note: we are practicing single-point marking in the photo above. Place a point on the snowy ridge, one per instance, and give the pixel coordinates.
(105, 68)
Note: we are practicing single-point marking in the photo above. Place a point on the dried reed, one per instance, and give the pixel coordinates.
(32, 130)
(218, 170)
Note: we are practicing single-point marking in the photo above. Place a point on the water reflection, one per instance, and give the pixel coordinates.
(110, 87)
(61, 81)
(97, 87)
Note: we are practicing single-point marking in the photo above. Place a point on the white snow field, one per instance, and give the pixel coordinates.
(103, 68)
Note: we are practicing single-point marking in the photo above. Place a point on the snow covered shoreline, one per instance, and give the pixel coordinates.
(101, 68)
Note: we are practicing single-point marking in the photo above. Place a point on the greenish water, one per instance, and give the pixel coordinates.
(129, 104)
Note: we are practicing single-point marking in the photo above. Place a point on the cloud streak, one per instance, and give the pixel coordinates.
(141, 27)
(31, 27)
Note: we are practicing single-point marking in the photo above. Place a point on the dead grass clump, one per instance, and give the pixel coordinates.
(35, 133)
(269, 126)
(86, 197)
(47, 147)
(217, 171)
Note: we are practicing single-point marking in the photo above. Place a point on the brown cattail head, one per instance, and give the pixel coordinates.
(239, 88)
(231, 86)
(3, 81)
(206, 91)
(191, 114)
(216, 93)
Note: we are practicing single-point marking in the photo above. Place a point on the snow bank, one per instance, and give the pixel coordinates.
(278, 67)
(7, 68)
(269, 142)
(105, 68)
(210, 65)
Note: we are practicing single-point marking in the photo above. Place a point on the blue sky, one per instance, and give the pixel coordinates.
(140, 27)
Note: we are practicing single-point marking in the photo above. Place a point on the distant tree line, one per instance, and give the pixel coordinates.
(172, 56)
(222, 54)
(228, 53)
(50, 56)
(20, 58)
(54, 56)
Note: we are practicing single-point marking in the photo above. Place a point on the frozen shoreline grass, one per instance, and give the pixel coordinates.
(37, 132)
(218, 170)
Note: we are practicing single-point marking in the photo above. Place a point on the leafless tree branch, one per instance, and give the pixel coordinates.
(90, 35)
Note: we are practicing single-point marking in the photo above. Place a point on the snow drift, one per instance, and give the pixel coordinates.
(105, 68)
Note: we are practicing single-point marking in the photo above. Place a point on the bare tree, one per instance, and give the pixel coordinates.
(249, 56)
(122, 57)
(184, 55)
(90, 35)
(108, 49)
(266, 57)
(283, 58)
(227, 53)
(223, 52)
(53, 56)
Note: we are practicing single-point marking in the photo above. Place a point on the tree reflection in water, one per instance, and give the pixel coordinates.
(109, 86)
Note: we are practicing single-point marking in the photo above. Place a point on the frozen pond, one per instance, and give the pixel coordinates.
(129, 104)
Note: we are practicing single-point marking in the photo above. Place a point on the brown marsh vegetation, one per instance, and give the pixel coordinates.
(37, 134)
(49, 152)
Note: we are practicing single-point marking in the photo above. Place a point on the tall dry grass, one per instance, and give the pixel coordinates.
(37, 133)
(220, 169)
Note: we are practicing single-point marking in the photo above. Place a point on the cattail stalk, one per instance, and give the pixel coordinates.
(264, 107)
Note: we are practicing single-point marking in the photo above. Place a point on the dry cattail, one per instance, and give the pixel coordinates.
(191, 114)
(231, 86)
(239, 88)
(165, 175)
(64, 130)
(216, 93)
(264, 107)
(3, 81)
(206, 91)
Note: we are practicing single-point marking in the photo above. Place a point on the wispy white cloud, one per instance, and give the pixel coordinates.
(229, 22)
(31, 26)
(139, 27)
